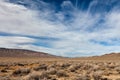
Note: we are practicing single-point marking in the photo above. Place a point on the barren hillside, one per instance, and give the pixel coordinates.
(108, 56)
(5, 52)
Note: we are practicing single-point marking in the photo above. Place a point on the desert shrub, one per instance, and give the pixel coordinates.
(40, 67)
(111, 65)
(65, 65)
(32, 76)
(82, 77)
(117, 68)
(97, 75)
(37, 76)
(74, 67)
(104, 79)
(95, 67)
(61, 73)
(54, 65)
(20, 64)
(87, 66)
(4, 70)
(21, 72)
(5, 78)
(52, 71)
(44, 75)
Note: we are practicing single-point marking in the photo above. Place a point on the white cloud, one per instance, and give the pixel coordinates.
(14, 41)
(20, 20)
(74, 37)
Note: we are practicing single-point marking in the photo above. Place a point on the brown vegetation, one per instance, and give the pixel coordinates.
(59, 69)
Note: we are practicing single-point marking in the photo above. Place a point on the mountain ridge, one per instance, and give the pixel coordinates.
(8, 52)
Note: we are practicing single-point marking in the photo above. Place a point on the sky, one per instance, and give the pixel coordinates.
(70, 28)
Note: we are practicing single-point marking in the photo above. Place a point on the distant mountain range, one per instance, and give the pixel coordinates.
(5, 52)
(108, 56)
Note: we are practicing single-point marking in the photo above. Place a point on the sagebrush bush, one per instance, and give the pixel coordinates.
(40, 67)
(37, 76)
(82, 77)
(21, 72)
(61, 73)
(52, 71)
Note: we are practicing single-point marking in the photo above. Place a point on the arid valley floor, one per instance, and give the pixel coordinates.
(59, 69)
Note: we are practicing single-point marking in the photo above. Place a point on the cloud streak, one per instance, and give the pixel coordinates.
(73, 32)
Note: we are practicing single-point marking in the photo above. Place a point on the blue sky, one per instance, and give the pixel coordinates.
(69, 28)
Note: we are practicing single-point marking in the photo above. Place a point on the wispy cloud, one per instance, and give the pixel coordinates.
(69, 31)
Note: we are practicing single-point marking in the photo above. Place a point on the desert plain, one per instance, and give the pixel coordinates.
(35, 68)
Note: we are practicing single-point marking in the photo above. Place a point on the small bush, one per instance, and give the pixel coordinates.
(4, 70)
(5, 78)
(40, 67)
(52, 71)
(97, 75)
(37, 76)
(21, 72)
(65, 65)
(74, 67)
(61, 74)
(82, 77)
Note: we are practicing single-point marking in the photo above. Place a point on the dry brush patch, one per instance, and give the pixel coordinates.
(59, 69)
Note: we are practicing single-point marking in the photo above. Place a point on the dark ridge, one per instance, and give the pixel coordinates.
(6, 52)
